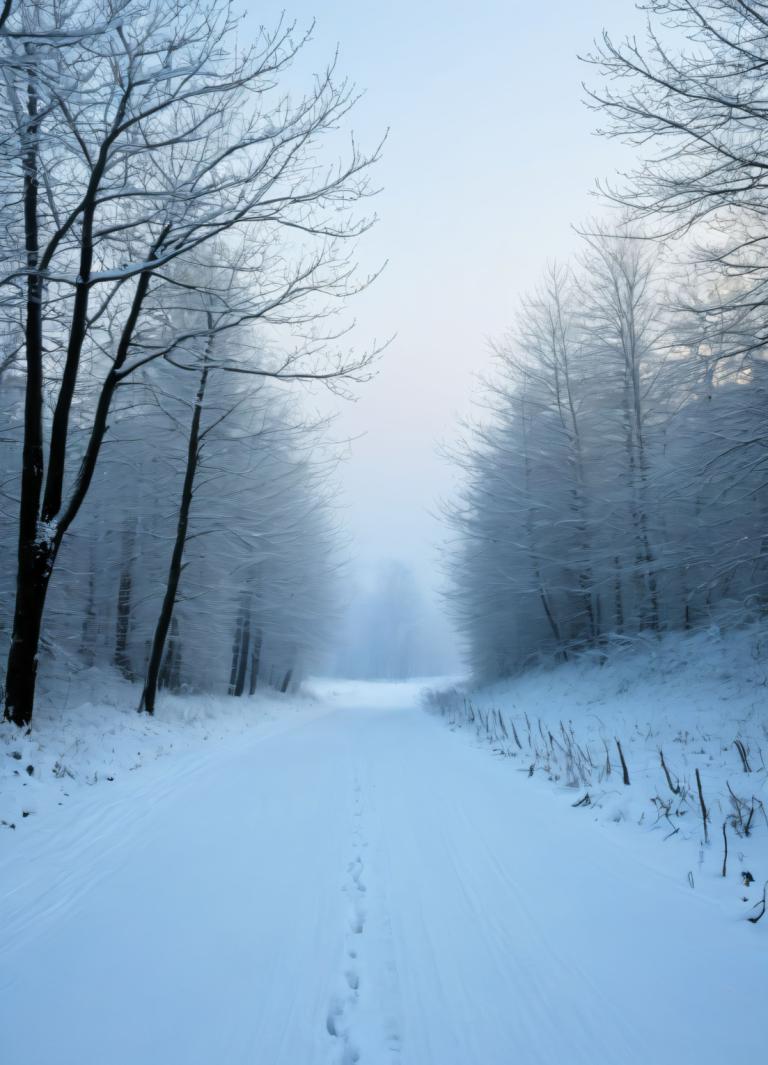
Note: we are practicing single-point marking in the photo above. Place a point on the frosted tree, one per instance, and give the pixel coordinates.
(525, 470)
(554, 550)
(623, 329)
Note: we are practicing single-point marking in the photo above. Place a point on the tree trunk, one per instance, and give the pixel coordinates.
(617, 596)
(123, 621)
(149, 694)
(237, 643)
(245, 642)
(35, 555)
(32, 588)
(255, 662)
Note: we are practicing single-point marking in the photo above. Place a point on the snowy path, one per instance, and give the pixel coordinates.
(361, 887)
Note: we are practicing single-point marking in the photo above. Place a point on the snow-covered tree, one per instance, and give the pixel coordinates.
(615, 480)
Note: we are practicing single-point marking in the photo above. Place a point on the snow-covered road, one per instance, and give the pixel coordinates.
(362, 886)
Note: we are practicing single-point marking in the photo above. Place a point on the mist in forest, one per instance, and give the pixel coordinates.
(392, 628)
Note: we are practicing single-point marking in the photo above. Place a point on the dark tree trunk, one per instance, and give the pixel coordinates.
(255, 662)
(617, 596)
(237, 643)
(245, 643)
(35, 551)
(286, 681)
(124, 598)
(149, 694)
(32, 588)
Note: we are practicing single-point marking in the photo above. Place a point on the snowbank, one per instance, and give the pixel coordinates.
(699, 700)
(87, 735)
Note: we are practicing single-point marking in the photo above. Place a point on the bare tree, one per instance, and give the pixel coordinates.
(690, 95)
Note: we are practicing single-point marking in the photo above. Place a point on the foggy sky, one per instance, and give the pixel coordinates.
(490, 161)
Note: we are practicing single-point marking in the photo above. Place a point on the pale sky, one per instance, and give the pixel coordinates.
(490, 160)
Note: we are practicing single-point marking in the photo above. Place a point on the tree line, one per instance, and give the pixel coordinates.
(615, 480)
(177, 233)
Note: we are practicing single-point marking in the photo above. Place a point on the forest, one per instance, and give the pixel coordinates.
(616, 470)
(176, 254)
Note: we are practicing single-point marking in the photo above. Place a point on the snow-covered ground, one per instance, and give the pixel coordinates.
(699, 700)
(87, 737)
(339, 878)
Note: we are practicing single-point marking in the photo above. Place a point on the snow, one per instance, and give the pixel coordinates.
(693, 697)
(89, 737)
(340, 878)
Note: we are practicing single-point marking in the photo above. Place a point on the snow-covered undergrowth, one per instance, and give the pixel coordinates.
(87, 735)
(668, 735)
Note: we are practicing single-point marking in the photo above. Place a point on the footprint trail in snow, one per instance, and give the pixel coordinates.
(343, 1007)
